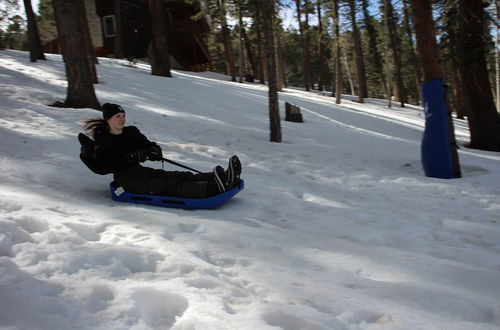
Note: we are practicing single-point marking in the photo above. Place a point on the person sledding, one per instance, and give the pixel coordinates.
(121, 149)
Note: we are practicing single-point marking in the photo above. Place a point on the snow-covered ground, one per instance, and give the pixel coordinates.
(337, 228)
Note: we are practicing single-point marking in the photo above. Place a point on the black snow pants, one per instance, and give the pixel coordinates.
(150, 181)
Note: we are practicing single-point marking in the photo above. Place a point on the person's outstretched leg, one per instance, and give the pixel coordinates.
(233, 171)
(221, 179)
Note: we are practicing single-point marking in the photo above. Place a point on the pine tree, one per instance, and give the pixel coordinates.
(46, 21)
(228, 47)
(36, 52)
(483, 119)
(159, 51)
(260, 42)
(337, 51)
(75, 48)
(393, 41)
(13, 37)
(7, 7)
(376, 75)
(321, 48)
(304, 33)
(267, 11)
(358, 54)
(413, 56)
(450, 52)
(241, 54)
(431, 67)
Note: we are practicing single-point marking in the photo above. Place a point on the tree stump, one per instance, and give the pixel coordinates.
(292, 113)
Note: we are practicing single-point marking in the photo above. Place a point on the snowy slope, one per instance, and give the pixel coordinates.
(337, 227)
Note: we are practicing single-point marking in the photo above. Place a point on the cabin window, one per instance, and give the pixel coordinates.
(109, 26)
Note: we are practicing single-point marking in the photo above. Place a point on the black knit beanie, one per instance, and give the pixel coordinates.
(110, 109)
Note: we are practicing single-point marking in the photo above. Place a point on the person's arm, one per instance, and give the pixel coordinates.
(142, 140)
(154, 151)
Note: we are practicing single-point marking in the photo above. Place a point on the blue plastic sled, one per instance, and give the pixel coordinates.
(118, 194)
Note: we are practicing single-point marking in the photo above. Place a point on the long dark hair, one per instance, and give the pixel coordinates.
(96, 126)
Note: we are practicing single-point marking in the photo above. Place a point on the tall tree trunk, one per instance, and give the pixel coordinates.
(455, 35)
(280, 67)
(394, 42)
(36, 52)
(497, 56)
(280, 62)
(248, 50)
(267, 11)
(388, 59)
(374, 56)
(72, 29)
(484, 120)
(337, 54)
(240, 33)
(426, 39)
(358, 54)
(302, 30)
(307, 61)
(457, 89)
(160, 65)
(260, 47)
(91, 54)
(416, 67)
(118, 51)
(426, 44)
(228, 47)
(349, 76)
(321, 48)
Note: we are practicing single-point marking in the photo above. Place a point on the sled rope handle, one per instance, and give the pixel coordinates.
(180, 165)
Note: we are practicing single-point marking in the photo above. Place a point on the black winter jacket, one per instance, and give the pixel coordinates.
(113, 153)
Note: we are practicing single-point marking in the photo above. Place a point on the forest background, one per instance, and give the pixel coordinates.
(358, 47)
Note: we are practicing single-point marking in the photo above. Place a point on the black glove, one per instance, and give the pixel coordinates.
(139, 155)
(155, 153)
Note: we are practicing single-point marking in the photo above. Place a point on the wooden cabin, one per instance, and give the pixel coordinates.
(186, 36)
